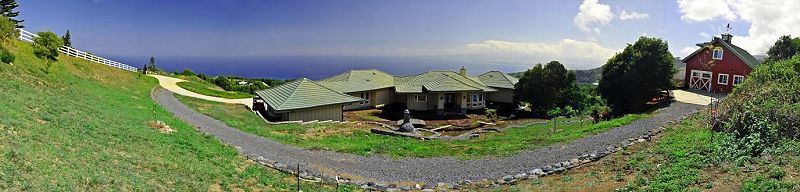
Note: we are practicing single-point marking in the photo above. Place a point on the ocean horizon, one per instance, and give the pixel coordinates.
(316, 67)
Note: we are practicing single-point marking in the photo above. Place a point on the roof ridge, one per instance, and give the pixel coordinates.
(299, 83)
(329, 89)
(466, 83)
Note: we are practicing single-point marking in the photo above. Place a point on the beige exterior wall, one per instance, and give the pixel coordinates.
(376, 98)
(333, 113)
(412, 104)
(501, 95)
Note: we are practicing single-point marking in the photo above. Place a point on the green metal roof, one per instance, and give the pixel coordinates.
(498, 79)
(303, 93)
(438, 81)
(739, 52)
(358, 80)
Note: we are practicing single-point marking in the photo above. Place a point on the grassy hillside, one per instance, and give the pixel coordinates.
(83, 126)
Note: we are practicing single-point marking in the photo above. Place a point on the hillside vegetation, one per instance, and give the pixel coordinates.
(87, 127)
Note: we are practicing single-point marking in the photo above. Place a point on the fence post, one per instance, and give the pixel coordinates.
(298, 177)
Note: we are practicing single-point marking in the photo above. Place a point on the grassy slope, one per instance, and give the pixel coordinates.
(678, 160)
(364, 143)
(211, 90)
(83, 127)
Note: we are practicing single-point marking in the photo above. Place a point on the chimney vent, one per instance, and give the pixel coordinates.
(463, 71)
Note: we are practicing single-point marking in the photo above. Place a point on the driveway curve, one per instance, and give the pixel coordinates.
(429, 170)
(171, 84)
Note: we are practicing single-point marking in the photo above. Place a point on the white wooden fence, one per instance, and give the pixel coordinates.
(28, 36)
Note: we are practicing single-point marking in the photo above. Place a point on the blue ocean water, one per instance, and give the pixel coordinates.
(316, 67)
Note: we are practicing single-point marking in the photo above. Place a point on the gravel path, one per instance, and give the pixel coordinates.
(428, 170)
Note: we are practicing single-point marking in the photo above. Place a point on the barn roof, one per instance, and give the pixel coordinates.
(358, 80)
(303, 93)
(498, 79)
(738, 51)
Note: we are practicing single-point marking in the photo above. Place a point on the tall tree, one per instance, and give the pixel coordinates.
(152, 64)
(546, 86)
(67, 39)
(784, 48)
(7, 8)
(631, 78)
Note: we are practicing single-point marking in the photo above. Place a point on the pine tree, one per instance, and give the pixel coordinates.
(7, 8)
(152, 64)
(67, 39)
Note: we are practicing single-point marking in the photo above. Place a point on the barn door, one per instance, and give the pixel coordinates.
(700, 80)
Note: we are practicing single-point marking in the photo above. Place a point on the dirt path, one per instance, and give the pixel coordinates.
(171, 84)
(408, 170)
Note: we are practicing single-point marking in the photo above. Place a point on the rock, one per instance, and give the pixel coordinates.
(441, 185)
(640, 140)
(565, 164)
(428, 186)
(547, 169)
(417, 186)
(574, 161)
(508, 178)
(405, 188)
(520, 176)
(537, 172)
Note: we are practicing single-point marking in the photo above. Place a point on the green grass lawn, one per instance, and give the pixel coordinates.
(81, 126)
(361, 141)
(211, 90)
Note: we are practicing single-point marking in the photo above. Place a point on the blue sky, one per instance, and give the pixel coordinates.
(581, 34)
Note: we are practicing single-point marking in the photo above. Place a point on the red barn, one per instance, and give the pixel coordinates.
(718, 66)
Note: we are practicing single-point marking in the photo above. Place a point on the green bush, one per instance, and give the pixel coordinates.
(764, 110)
(761, 183)
(188, 72)
(6, 57)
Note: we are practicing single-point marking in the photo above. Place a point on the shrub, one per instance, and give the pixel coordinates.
(188, 72)
(6, 56)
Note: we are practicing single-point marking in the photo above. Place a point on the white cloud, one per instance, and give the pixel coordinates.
(575, 54)
(686, 51)
(593, 15)
(705, 35)
(768, 19)
(632, 15)
(704, 10)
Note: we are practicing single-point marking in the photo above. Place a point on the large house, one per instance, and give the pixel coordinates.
(717, 66)
(302, 100)
(441, 91)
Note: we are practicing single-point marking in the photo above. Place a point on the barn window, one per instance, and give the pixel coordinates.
(737, 79)
(722, 79)
(421, 98)
(717, 54)
(365, 96)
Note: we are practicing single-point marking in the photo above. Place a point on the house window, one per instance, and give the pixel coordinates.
(365, 96)
(421, 98)
(722, 79)
(737, 79)
(717, 54)
(695, 74)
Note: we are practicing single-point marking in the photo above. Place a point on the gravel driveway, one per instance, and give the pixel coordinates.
(428, 170)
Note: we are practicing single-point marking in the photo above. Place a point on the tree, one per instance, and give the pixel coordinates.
(151, 66)
(545, 86)
(46, 46)
(553, 114)
(7, 8)
(67, 39)
(784, 48)
(188, 72)
(8, 31)
(636, 75)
